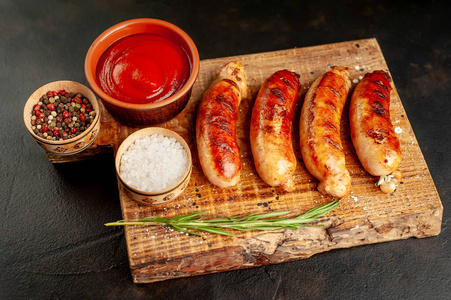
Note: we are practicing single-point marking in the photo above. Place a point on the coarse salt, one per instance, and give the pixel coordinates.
(153, 163)
(398, 129)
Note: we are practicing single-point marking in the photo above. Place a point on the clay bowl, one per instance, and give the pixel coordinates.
(77, 143)
(150, 113)
(159, 197)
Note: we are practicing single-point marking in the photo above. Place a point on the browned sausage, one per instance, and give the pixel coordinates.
(319, 127)
(216, 122)
(372, 133)
(270, 132)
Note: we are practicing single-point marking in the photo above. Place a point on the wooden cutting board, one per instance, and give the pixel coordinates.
(365, 216)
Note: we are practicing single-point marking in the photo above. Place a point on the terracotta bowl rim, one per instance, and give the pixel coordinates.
(91, 96)
(151, 131)
(147, 106)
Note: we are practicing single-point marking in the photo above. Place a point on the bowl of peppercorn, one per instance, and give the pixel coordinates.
(63, 117)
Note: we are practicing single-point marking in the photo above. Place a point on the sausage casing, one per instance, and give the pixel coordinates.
(216, 122)
(319, 128)
(372, 133)
(270, 130)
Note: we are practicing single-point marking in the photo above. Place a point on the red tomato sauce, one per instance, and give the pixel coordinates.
(143, 68)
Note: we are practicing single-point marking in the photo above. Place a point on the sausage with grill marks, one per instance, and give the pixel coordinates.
(319, 128)
(372, 133)
(216, 122)
(270, 130)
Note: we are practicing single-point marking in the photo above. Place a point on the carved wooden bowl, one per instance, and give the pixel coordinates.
(160, 197)
(72, 145)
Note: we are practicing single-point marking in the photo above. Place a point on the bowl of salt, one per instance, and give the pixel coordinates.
(153, 166)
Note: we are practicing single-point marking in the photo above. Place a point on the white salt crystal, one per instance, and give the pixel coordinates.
(153, 163)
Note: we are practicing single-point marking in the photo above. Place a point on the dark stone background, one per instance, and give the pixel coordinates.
(53, 244)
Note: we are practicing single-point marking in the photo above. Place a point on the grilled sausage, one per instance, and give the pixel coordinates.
(319, 128)
(372, 133)
(216, 122)
(270, 132)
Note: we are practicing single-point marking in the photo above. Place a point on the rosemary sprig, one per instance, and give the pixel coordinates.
(270, 221)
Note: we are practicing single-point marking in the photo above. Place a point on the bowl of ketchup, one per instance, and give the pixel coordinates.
(143, 70)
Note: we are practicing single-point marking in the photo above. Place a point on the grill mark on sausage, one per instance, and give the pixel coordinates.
(331, 105)
(381, 94)
(222, 146)
(226, 148)
(285, 81)
(378, 135)
(381, 84)
(330, 125)
(231, 82)
(278, 93)
(335, 92)
(235, 73)
(378, 108)
(332, 143)
(311, 144)
(220, 123)
(268, 129)
(220, 164)
(311, 117)
(225, 103)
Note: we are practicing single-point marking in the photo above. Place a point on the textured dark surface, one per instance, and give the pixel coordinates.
(53, 243)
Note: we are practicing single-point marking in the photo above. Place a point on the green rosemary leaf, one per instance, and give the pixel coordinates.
(270, 221)
(219, 220)
(269, 228)
(158, 220)
(184, 231)
(320, 210)
(183, 218)
(213, 230)
(273, 214)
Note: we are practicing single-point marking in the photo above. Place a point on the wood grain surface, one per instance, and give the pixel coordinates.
(365, 216)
